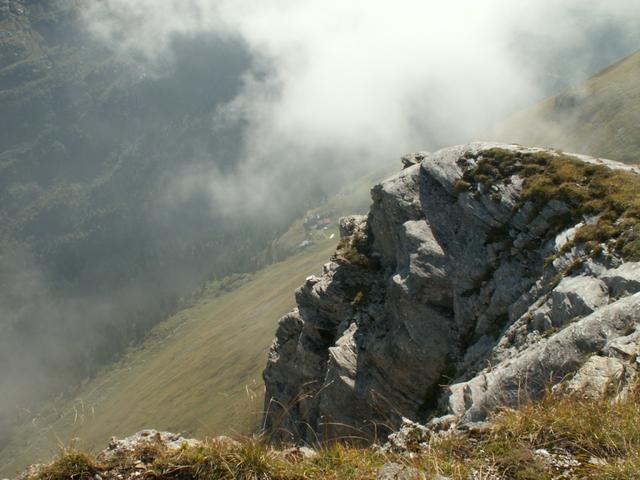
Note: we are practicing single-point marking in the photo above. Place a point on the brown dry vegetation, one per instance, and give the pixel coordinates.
(601, 437)
(588, 190)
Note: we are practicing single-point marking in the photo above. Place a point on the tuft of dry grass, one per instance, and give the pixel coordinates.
(601, 438)
(70, 465)
(585, 428)
(248, 461)
(587, 190)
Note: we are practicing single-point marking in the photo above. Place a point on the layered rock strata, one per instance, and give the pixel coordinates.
(467, 287)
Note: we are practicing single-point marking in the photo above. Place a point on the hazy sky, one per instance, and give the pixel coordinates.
(360, 82)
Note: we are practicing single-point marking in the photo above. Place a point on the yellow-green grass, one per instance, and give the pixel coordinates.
(199, 372)
(601, 438)
(600, 117)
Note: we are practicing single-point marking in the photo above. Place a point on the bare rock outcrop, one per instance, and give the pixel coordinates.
(124, 458)
(467, 287)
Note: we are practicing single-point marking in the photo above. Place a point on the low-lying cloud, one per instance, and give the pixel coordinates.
(353, 84)
(334, 89)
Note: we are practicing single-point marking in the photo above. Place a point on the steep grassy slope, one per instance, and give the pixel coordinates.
(200, 371)
(600, 117)
(101, 229)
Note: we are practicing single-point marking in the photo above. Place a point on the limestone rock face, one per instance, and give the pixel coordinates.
(450, 300)
(598, 376)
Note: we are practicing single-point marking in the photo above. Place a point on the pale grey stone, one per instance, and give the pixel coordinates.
(455, 288)
(396, 471)
(624, 280)
(597, 377)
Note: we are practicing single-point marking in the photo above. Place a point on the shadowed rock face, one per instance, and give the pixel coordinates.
(450, 299)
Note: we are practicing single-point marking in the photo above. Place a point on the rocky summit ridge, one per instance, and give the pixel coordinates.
(484, 275)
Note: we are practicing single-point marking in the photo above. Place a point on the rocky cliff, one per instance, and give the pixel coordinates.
(484, 275)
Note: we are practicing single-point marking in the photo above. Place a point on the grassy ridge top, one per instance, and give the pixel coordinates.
(554, 438)
(600, 117)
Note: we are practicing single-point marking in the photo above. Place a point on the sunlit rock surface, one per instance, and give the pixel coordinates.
(448, 300)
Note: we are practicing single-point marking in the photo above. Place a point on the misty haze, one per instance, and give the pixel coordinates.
(211, 224)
